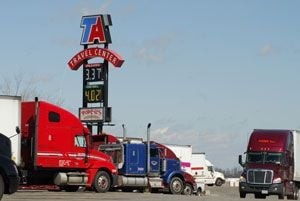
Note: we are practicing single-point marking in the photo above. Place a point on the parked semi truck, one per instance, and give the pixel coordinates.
(9, 178)
(205, 170)
(52, 147)
(272, 164)
(144, 165)
(197, 165)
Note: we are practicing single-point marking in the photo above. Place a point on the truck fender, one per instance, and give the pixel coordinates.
(170, 175)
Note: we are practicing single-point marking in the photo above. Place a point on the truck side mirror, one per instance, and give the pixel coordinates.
(18, 130)
(241, 161)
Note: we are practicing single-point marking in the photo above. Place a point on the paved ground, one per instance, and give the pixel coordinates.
(224, 193)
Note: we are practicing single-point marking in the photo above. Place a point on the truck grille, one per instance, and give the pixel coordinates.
(259, 176)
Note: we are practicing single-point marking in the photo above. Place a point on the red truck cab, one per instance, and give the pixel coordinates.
(269, 165)
(55, 149)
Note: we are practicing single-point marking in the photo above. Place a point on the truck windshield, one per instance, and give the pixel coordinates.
(273, 158)
(264, 157)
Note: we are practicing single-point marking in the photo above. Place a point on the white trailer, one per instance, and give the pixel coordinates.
(296, 136)
(184, 153)
(197, 165)
(10, 118)
(202, 169)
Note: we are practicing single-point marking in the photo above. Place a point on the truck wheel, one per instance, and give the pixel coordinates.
(176, 185)
(295, 194)
(242, 195)
(1, 186)
(188, 190)
(280, 196)
(292, 197)
(154, 190)
(142, 189)
(102, 182)
(219, 182)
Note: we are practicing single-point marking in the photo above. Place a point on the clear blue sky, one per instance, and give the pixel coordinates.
(203, 73)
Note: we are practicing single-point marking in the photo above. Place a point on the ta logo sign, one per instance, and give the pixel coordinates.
(95, 29)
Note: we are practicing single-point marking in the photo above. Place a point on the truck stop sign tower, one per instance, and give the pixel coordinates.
(95, 40)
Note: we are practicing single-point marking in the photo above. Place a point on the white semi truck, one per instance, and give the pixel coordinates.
(197, 165)
(204, 169)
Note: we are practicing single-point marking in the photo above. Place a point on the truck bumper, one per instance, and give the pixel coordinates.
(13, 184)
(114, 180)
(271, 189)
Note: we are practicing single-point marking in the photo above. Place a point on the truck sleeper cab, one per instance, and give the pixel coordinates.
(130, 156)
(55, 150)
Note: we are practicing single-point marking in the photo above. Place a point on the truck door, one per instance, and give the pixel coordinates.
(154, 160)
(79, 155)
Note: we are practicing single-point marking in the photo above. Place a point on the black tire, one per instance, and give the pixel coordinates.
(295, 194)
(200, 192)
(242, 195)
(1, 187)
(142, 189)
(219, 182)
(176, 186)
(280, 197)
(292, 197)
(154, 190)
(102, 182)
(188, 190)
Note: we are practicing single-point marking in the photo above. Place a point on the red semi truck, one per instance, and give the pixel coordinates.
(53, 147)
(272, 165)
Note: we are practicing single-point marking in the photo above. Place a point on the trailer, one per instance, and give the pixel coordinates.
(51, 147)
(204, 170)
(197, 165)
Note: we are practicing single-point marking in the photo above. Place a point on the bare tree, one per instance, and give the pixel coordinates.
(26, 87)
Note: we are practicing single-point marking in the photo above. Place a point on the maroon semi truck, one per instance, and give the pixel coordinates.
(272, 165)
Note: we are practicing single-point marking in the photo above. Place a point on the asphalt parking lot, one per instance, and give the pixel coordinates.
(224, 193)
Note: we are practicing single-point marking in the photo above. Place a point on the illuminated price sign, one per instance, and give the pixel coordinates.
(93, 93)
(92, 72)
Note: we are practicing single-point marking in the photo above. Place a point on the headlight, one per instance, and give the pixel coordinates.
(242, 179)
(277, 180)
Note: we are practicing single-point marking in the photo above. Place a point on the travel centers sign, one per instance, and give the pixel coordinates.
(90, 53)
(95, 109)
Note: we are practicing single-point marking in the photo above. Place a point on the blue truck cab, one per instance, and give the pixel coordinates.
(158, 170)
